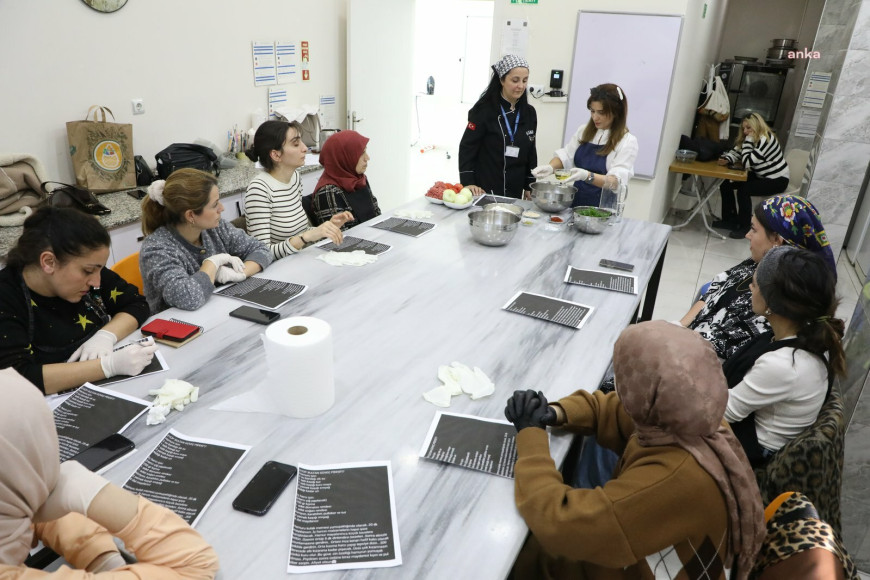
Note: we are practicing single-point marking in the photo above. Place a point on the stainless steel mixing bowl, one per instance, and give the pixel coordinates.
(493, 228)
(552, 197)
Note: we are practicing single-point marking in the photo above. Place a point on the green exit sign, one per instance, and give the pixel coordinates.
(524, 1)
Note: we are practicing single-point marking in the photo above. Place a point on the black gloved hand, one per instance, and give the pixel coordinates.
(529, 409)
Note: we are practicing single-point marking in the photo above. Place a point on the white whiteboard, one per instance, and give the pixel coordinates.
(638, 53)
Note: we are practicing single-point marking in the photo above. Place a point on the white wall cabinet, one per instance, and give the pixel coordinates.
(125, 240)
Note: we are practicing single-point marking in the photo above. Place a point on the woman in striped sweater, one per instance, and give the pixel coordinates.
(758, 150)
(273, 201)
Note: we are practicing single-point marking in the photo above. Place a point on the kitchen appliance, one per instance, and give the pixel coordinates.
(326, 134)
(755, 88)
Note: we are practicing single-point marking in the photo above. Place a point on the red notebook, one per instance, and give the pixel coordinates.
(172, 332)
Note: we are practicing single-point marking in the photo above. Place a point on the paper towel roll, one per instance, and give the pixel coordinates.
(299, 356)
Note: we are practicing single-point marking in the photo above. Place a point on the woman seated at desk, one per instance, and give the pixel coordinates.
(61, 310)
(76, 512)
(780, 379)
(188, 247)
(344, 187)
(758, 150)
(601, 151)
(683, 497)
(273, 201)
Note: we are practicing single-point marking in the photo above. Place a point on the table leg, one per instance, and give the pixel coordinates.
(707, 194)
(652, 289)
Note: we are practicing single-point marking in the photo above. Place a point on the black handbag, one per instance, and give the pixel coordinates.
(144, 175)
(180, 155)
(75, 197)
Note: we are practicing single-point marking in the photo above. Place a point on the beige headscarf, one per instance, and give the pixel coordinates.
(671, 384)
(28, 463)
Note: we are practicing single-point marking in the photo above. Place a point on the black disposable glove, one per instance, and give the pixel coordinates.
(529, 409)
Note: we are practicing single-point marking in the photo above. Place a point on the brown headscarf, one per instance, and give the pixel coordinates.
(28, 463)
(339, 157)
(671, 384)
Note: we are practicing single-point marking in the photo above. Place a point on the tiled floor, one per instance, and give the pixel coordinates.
(693, 258)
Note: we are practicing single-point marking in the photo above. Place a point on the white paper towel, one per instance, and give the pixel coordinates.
(299, 381)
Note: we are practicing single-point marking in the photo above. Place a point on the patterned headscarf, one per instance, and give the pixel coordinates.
(670, 382)
(797, 221)
(508, 62)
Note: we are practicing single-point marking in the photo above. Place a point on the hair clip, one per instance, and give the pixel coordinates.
(618, 90)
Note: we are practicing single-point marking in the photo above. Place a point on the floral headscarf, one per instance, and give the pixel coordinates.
(797, 221)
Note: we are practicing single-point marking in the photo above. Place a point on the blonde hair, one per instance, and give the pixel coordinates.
(759, 127)
(185, 189)
(614, 102)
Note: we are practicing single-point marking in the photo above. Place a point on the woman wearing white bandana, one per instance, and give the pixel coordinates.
(497, 151)
(599, 152)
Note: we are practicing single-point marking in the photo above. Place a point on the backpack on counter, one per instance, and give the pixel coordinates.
(180, 155)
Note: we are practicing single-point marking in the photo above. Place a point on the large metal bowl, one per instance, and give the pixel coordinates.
(588, 224)
(493, 228)
(552, 197)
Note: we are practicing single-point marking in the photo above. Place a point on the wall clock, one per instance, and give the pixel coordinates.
(105, 5)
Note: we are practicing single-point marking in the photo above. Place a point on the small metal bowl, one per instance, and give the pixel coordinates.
(552, 197)
(685, 155)
(493, 228)
(588, 224)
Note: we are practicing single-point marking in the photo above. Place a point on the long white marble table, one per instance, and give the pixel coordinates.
(428, 301)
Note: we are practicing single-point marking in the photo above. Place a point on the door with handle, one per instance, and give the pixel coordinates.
(353, 118)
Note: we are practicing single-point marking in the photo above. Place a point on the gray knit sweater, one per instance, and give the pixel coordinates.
(170, 264)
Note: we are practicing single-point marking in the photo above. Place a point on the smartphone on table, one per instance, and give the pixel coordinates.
(264, 488)
(257, 315)
(105, 452)
(616, 265)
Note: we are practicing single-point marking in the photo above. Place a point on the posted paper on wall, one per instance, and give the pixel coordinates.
(327, 112)
(277, 99)
(515, 37)
(817, 88)
(286, 61)
(264, 63)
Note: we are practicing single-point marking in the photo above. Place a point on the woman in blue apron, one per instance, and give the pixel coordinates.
(601, 151)
(61, 310)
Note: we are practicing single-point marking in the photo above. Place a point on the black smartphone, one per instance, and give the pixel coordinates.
(257, 315)
(106, 451)
(264, 488)
(136, 193)
(616, 265)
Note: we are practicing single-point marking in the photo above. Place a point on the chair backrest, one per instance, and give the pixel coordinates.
(240, 222)
(128, 269)
(797, 160)
(811, 463)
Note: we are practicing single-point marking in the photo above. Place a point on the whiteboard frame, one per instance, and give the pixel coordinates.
(577, 94)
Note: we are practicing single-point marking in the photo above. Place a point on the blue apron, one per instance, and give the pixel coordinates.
(587, 157)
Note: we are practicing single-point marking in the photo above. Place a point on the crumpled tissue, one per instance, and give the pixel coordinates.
(355, 258)
(174, 394)
(457, 379)
(415, 214)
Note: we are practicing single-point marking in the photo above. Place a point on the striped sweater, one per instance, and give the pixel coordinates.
(274, 213)
(764, 158)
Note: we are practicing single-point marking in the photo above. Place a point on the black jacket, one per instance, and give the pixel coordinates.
(482, 159)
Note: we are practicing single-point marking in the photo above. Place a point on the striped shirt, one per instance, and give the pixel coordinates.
(763, 158)
(274, 214)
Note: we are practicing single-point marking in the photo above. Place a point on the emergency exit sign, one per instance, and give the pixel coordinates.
(524, 1)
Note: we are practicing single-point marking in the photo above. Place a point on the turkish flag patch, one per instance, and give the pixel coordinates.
(472, 126)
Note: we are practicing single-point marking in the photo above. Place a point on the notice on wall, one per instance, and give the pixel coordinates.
(264, 63)
(603, 280)
(515, 37)
(90, 414)
(345, 518)
(263, 292)
(807, 123)
(817, 89)
(487, 445)
(306, 61)
(285, 61)
(327, 111)
(563, 312)
(185, 473)
(277, 99)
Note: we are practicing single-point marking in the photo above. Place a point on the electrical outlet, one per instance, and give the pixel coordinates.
(536, 90)
(138, 106)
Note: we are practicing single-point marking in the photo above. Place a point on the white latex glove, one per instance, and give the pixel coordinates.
(97, 346)
(106, 562)
(174, 394)
(542, 171)
(129, 360)
(75, 490)
(236, 264)
(220, 260)
(227, 274)
(577, 174)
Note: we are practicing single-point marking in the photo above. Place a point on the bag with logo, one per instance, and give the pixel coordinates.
(180, 155)
(102, 152)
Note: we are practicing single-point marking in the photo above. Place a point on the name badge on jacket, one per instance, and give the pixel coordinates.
(511, 151)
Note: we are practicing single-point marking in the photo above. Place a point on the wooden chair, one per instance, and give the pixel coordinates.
(128, 269)
(811, 463)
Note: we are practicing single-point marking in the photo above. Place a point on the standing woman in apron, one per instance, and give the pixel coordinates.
(497, 151)
(601, 151)
(62, 310)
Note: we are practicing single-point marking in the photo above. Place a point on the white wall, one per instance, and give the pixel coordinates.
(189, 60)
(551, 41)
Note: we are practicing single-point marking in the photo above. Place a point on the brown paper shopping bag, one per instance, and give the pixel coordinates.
(102, 152)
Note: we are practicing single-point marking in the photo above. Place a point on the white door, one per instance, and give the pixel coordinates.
(475, 64)
(380, 97)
